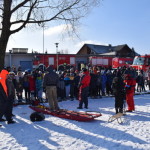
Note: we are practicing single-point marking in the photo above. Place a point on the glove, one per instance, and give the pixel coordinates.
(127, 86)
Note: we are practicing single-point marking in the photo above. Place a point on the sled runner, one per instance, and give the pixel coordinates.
(67, 114)
(117, 117)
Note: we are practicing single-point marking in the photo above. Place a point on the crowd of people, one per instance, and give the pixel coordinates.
(71, 84)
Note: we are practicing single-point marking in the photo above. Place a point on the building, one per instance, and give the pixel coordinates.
(112, 51)
(20, 56)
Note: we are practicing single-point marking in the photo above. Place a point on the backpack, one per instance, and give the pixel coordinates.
(37, 116)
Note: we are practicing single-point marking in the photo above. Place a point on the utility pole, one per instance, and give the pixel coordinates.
(57, 54)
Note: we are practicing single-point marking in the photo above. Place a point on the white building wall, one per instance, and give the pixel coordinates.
(15, 59)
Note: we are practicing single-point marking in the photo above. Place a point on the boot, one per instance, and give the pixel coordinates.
(79, 108)
(116, 110)
(128, 110)
(1, 120)
(121, 110)
(11, 122)
(86, 107)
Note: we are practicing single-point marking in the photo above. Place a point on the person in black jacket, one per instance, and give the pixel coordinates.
(76, 85)
(93, 85)
(50, 83)
(3, 99)
(11, 94)
(119, 92)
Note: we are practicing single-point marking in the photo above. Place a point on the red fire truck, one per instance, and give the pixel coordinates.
(54, 60)
(141, 62)
(100, 61)
(120, 62)
(110, 62)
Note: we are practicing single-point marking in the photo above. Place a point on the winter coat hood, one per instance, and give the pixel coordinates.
(4, 74)
(3, 77)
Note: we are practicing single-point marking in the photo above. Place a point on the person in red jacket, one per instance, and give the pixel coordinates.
(130, 88)
(84, 89)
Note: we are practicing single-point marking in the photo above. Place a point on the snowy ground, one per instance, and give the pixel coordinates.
(60, 134)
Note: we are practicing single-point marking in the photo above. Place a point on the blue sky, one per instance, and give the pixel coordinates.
(114, 22)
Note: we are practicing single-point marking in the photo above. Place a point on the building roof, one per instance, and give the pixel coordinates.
(101, 49)
(119, 47)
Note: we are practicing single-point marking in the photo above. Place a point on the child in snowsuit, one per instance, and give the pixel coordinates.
(104, 80)
(67, 85)
(26, 86)
(32, 89)
(61, 88)
(39, 86)
(19, 86)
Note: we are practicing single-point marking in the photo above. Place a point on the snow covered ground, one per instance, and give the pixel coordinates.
(61, 134)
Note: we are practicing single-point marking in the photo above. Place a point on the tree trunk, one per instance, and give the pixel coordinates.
(3, 45)
(5, 32)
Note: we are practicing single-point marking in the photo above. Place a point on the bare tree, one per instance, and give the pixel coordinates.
(18, 14)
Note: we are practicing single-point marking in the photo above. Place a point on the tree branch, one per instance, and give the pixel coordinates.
(26, 21)
(19, 6)
(47, 20)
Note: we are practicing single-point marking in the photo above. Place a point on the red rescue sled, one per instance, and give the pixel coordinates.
(67, 114)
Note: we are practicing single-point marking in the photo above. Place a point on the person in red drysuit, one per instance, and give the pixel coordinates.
(130, 88)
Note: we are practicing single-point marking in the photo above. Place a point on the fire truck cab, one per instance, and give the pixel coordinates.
(141, 62)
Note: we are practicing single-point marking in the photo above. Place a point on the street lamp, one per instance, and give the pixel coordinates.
(57, 54)
(42, 24)
(10, 51)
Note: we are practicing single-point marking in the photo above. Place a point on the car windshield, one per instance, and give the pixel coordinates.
(138, 61)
